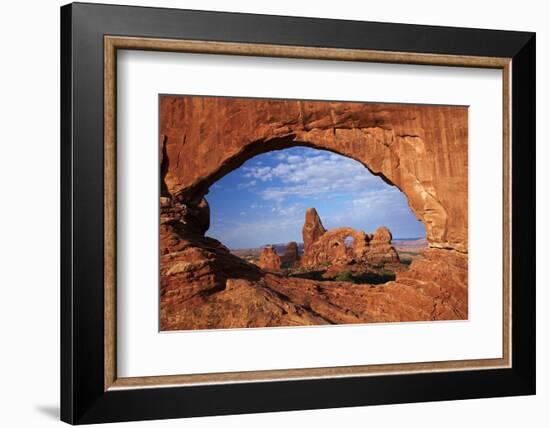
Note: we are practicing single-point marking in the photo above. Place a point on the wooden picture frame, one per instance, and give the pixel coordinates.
(91, 390)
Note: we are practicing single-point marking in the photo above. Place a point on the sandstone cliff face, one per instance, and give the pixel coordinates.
(420, 149)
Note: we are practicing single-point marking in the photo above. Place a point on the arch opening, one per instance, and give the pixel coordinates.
(348, 242)
(260, 206)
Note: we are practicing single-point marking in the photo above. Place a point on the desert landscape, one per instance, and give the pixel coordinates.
(336, 275)
(340, 254)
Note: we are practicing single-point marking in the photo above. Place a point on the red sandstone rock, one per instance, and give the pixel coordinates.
(269, 259)
(204, 286)
(313, 228)
(420, 149)
(344, 245)
(290, 257)
(380, 248)
(382, 236)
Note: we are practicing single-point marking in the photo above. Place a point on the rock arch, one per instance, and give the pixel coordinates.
(423, 150)
(420, 149)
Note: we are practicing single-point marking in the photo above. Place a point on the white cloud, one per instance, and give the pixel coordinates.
(251, 183)
(313, 175)
(290, 211)
(344, 192)
(294, 159)
(262, 173)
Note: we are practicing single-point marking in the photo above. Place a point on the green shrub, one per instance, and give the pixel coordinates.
(344, 276)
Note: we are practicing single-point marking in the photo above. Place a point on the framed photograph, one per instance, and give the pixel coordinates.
(265, 213)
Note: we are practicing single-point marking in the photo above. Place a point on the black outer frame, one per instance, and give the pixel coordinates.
(83, 399)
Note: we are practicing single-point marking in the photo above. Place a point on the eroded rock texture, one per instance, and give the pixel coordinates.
(420, 149)
(423, 150)
(313, 229)
(344, 245)
(269, 259)
(380, 248)
(291, 255)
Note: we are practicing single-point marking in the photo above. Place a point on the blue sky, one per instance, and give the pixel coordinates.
(264, 201)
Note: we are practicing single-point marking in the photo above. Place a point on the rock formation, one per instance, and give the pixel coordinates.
(291, 256)
(269, 259)
(313, 228)
(422, 150)
(380, 248)
(196, 216)
(204, 286)
(344, 245)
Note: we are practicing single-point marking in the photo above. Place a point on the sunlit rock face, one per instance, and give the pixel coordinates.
(422, 150)
(344, 245)
(313, 229)
(269, 259)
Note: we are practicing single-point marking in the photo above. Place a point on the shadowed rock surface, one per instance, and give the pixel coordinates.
(291, 255)
(420, 149)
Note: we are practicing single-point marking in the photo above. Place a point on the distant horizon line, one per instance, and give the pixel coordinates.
(300, 242)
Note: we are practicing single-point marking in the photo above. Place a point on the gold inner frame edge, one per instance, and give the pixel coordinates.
(113, 43)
